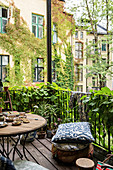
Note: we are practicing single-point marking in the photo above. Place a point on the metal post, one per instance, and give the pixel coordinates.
(49, 73)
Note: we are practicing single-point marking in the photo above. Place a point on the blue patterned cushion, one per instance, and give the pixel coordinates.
(78, 132)
(6, 164)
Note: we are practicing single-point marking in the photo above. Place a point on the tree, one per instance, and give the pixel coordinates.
(92, 13)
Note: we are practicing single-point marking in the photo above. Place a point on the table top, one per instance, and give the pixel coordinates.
(35, 123)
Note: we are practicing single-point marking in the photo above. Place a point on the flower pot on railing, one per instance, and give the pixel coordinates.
(0, 109)
(6, 88)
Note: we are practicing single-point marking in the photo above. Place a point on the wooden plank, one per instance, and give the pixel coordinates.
(43, 155)
(48, 154)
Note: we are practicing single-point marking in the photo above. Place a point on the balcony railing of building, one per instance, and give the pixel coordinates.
(70, 109)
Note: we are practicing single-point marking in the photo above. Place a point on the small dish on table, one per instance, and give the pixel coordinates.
(3, 124)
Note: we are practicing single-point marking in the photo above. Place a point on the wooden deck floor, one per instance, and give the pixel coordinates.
(41, 150)
(43, 155)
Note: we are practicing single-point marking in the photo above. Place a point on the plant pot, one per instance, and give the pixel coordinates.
(1, 117)
(49, 134)
(0, 109)
(6, 88)
(41, 134)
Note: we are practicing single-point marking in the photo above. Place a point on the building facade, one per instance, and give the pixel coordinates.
(82, 40)
(34, 14)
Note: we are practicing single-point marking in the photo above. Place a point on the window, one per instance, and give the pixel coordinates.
(76, 34)
(39, 70)
(78, 72)
(54, 34)
(3, 19)
(37, 26)
(94, 81)
(81, 35)
(94, 45)
(53, 71)
(103, 45)
(4, 60)
(78, 50)
(79, 88)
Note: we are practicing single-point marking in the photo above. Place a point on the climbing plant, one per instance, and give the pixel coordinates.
(23, 46)
(62, 50)
(20, 43)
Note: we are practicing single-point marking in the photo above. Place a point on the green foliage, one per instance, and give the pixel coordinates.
(91, 13)
(48, 111)
(1, 102)
(65, 69)
(23, 46)
(100, 112)
(50, 101)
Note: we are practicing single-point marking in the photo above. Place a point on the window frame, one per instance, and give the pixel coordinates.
(1, 66)
(104, 45)
(54, 75)
(76, 34)
(78, 73)
(3, 18)
(79, 88)
(36, 70)
(81, 35)
(55, 32)
(79, 50)
(38, 25)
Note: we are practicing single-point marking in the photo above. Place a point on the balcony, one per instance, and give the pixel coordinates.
(70, 107)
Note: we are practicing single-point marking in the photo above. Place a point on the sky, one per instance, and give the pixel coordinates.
(71, 3)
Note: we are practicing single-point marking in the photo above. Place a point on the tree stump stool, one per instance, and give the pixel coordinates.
(85, 163)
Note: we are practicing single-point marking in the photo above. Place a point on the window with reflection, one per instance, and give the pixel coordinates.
(79, 88)
(39, 70)
(76, 34)
(81, 35)
(37, 26)
(4, 61)
(3, 19)
(103, 45)
(78, 72)
(54, 76)
(78, 50)
(54, 34)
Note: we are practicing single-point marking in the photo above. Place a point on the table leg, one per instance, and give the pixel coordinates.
(6, 150)
(24, 148)
(15, 147)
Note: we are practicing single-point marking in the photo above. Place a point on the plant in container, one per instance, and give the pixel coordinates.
(48, 111)
(1, 104)
(41, 134)
(6, 86)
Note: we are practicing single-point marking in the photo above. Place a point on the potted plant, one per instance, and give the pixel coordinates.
(41, 134)
(1, 104)
(48, 111)
(6, 86)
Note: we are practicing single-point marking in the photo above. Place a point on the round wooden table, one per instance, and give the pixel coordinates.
(7, 133)
(35, 123)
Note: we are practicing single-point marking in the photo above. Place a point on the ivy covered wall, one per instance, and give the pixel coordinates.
(24, 47)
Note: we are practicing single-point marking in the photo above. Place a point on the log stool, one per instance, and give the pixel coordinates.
(84, 163)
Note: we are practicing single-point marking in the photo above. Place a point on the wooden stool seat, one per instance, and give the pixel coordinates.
(84, 163)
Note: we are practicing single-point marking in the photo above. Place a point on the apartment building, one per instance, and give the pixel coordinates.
(82, 39)
(34, 14)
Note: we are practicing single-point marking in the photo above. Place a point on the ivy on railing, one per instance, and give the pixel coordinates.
(58, 105)
(100, 112)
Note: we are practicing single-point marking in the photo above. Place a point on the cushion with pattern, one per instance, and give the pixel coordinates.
(78, 132)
